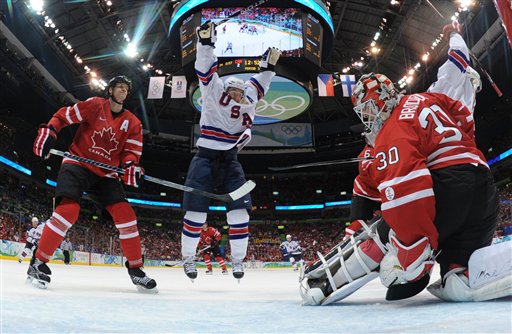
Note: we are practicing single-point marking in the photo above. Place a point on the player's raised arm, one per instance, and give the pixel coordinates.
(259, 83)
(206, 61)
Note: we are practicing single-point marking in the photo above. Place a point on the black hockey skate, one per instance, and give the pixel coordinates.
(189, 266)
(38, 274)
(143, 283)
(238, 269)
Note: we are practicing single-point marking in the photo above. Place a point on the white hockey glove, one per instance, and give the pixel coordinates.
(403, 264)
(269, 59)
(206, 33)
(474, 77)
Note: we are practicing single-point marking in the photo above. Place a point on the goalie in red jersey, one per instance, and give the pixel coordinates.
(209, 247)
(110, 134)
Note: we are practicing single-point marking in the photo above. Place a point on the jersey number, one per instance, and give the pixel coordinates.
(387, 159)
(449, 133)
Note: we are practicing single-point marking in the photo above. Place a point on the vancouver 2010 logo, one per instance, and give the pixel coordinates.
(284, 100)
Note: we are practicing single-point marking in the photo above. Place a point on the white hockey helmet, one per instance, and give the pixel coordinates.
(35, 220)
(289, 237)
(234, 82)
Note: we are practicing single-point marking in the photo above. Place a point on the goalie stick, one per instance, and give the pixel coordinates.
(246, 188)
(325, 163)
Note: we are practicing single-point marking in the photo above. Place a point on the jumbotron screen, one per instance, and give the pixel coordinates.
(252, 32)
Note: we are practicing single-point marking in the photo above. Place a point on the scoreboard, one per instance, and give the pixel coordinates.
(188, 38)
(313, 34)
(238, 65)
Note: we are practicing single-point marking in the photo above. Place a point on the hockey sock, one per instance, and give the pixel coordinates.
(64, 216)
(221, 262)
(192, 224)
(238, 221)
(126, 222)
(208, 262)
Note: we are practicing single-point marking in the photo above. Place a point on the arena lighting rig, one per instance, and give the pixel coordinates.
(301, 29)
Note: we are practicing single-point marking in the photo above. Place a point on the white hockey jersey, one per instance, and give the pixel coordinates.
(291, 247)
(31, 235)
(225, 123)
(452, 79)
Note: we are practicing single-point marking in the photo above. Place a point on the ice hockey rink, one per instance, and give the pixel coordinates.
(252, 45)
(83, 299)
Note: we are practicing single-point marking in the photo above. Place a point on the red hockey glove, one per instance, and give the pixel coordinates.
(45, 140)
(352, 228)
(133, 174)
(403, 264)
(206, 33)
(449, 28)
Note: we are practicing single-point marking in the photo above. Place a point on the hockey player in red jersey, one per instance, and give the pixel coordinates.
(425, 163)
(209, 246)
(107, 133)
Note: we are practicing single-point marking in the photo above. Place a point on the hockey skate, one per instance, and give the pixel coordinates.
(225, 272)
(189, 266)
(209, 272)
(143, 283)
(238, 269)
(38, 274)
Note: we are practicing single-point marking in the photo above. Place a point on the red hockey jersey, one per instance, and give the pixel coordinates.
(103, 136)
(422, 134)
(208, 236)
(364, 186)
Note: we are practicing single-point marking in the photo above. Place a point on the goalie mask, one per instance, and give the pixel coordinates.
(235, 88)
(374, 98)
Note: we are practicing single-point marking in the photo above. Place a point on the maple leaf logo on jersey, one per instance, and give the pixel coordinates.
(104, 140)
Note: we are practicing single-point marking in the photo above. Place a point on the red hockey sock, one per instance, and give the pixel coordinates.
(221, 262)
(126, 222)
(64, 216)
(207, 261)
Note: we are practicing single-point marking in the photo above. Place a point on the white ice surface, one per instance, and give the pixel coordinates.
(83, 299)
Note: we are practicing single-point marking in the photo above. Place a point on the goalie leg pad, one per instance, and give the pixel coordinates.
(489, 277)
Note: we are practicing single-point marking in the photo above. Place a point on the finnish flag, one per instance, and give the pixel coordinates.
(347, 84)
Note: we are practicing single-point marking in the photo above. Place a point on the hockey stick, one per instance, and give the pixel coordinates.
(487, 75)
(475, 59)
(246, 188)
(325, 163)
(182, 261)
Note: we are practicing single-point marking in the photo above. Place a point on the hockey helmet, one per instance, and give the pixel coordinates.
(234, 82)
(374, 97)
(35, 220)
(289, 237)
(120, 79)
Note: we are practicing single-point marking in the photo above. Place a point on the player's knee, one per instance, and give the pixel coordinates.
(121, 212)
(237, 216)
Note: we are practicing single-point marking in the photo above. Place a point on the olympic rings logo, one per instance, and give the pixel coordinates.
(291, 129)
(266, 106)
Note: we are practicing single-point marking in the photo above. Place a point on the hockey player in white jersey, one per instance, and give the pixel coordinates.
(291, 251)
(227, 115)
(32, 240)
(459, 81)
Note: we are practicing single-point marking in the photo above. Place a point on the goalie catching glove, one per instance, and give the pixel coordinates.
(133, 174)
(45, 140)
(404, 264)
(269, 59)
(207, 34)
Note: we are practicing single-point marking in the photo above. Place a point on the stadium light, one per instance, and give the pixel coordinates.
(37, 5)
(131, 50)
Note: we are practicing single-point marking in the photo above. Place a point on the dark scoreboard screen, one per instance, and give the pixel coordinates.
(239, 65)
(313, 34)
(188, 38)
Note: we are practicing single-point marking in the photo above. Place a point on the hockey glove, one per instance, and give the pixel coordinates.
(353, 228)
(45, 140)
(404, 264)
(474, 78)
(207, 34)
(269, 59)
(449, 28)
(133, 174)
